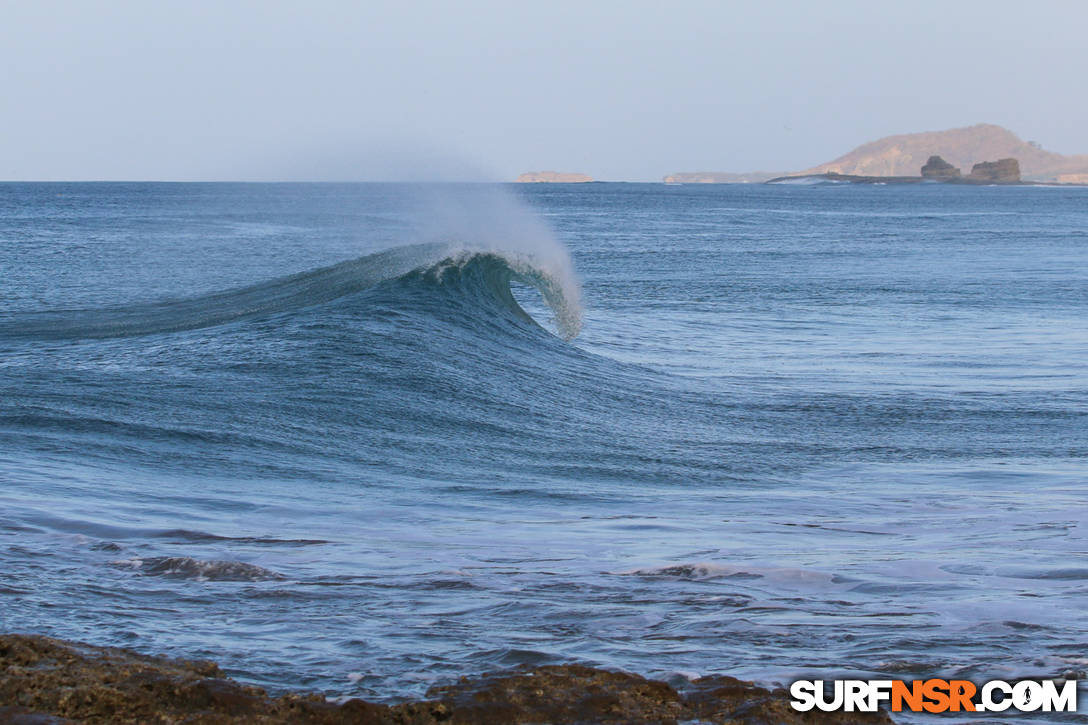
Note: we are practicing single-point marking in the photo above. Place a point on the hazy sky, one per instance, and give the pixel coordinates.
(619, 90)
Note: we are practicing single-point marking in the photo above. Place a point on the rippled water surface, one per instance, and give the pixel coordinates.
(349, 436)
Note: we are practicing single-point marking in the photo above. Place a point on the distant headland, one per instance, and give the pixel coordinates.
(721, 177)
(552, 177)
(896, 159)
(936, 169)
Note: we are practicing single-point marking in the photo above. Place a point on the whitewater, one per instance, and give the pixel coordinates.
(366, 438)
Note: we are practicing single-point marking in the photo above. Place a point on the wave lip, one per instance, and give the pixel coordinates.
(553, 278)
(548, 270)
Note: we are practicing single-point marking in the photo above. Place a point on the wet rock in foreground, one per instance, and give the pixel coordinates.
(49, 681)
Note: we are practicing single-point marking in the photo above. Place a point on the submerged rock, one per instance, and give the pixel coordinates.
(186, 567)
(44, 680)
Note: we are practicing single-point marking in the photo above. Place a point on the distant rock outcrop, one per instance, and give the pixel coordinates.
(719, 177)
(961, 147)
(552, 177)
(1001, 170)
(938, 168)
(900, 157)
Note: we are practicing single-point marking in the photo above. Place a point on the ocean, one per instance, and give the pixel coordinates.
(367, 438)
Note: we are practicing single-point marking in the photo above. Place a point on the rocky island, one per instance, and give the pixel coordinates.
(1000, 171)
(552, 177)
(936, 169)
(894, 159)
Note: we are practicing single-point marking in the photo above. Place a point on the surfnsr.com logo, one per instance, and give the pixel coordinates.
(935, 695)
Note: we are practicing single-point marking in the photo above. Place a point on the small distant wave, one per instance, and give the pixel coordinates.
(1062, 574)
(188, 535)
(186, 567)
(806, 181)
(549, 270)
(704, 571)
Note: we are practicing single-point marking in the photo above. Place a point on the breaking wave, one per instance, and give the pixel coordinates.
(487, 272)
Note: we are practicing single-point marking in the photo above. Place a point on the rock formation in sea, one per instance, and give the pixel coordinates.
(552, 177)
(902, 155)
(962, 147)
(938, 168)
(46, 681)
(1001, 170)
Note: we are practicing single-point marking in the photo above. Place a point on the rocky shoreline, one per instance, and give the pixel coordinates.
(45, 681)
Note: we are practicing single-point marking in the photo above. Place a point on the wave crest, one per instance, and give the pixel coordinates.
(551, 274)
(554, 279)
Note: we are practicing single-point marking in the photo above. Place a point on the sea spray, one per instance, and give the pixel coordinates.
(453, 225)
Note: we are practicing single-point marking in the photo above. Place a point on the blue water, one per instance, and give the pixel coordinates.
(366, 438)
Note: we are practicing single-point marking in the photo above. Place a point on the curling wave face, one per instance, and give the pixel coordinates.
(488, 271)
